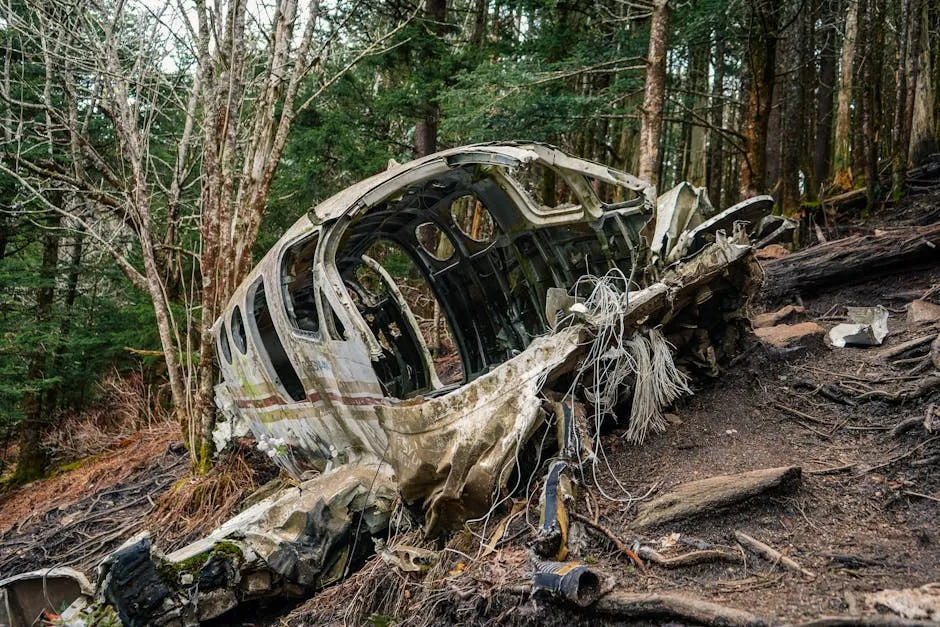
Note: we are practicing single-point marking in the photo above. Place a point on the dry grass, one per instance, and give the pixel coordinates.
(380, 591)
(196, 505)
(126, 405)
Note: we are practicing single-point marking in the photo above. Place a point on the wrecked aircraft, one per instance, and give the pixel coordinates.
(567, 289)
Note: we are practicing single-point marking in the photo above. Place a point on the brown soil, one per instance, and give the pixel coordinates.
(79, 515)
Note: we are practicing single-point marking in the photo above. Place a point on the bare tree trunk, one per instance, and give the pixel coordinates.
(899, 143)
(792, 112)
(827, 78)
(32, 458)
(921, 116)
(654, 95)
(698, 70)
(871, 116)
(65, 325)
(760, 53)
(715, 161)
(426, 127)
(843, 178)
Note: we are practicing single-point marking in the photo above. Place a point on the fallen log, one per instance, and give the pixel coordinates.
(707, 495)
(630, 605)
(847, 260)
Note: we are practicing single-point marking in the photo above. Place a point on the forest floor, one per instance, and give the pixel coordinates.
(863, 518)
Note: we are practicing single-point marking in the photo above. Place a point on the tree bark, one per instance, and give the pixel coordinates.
(900, 143)
(654, 94)
(707, 495)
(761, 49)
(843, 178)
(826, 89)
(852, 259)
(32, 458)
(921, 118)
(695, 171)
(871, 115)
(715, 159)
(425, 139)
(793, 122)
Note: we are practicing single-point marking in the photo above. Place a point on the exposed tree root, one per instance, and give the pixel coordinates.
(629, 605)
(708, 495)
(689, 559)
(623, 548)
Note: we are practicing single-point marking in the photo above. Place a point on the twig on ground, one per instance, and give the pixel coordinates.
(800, 414)
(771, 554)
(688, 559)
(617, 542)
(898, 458)
(923, 496)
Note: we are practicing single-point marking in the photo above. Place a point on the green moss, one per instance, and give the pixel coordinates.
(102, 616)
(172, 572)
(228, 549)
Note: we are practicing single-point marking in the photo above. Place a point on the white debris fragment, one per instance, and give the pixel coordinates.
(912, 603)
(868, 327)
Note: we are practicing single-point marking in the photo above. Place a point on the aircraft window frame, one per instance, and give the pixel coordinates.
(225, 346)
(270, 345)
(239, 337)
(287, 295)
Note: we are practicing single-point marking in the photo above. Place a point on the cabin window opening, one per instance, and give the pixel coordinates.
(473, 220)
(224, 347)
(238, 331)
(434, 241)
(337, 331)
(269, 341)
(297, 285)
(391, 326)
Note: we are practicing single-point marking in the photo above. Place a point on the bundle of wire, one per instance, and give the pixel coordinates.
(618, 352)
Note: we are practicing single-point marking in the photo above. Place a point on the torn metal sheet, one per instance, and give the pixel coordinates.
(557, 278)
(867, 326)
(40, 596)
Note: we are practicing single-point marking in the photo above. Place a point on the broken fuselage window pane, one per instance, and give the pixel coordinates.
(266, 338)
(402, 340)
(238, 331)
(224, 347)
(434, 242)
(297, 283)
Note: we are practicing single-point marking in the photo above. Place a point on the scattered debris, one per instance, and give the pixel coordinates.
(921, 310)
(868, 326)
(786, 335)
(774, 251)
(36, 597)
(573, 581)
